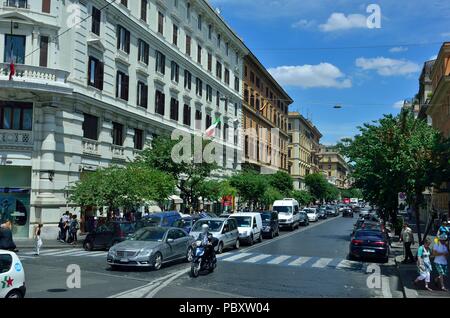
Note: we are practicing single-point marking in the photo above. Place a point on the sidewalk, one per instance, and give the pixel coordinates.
(26, 243)
(408, 273)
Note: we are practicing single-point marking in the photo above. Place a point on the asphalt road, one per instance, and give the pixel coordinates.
(309, 262)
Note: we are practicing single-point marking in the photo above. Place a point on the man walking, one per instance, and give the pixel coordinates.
(407, 237)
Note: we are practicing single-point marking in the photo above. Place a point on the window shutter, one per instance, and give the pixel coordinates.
(99, 74)
(46, 4)
(127, 41)
(118, 36)
(126, 80)
(89, 70)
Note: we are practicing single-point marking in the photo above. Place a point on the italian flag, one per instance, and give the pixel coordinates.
(211, 131)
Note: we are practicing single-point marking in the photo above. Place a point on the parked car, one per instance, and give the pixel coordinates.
(249, 226)
(332, 210)
(288, 213)
(313, 216)
(107, 235)
(12, 276)
(270, 224)
(369, 244)
(303, 217)
(347, 212)
(151, 247)
(163, 219)
(223, 229)
(186, 223)
(322, 213)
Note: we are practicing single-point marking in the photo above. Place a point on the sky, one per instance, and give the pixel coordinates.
(324, 53)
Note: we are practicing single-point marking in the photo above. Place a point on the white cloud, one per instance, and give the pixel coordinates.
(387, 67)
(308, 76)
(398, 49)
(338, 21)
(303, 24)
(433, 57)
(398, 105)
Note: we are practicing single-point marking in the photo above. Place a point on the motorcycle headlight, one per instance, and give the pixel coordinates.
(145, 253)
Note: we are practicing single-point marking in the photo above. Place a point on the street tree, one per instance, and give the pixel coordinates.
(270, 195)
(318, 185)
(303, 197)
(250, 186)
(282, 182)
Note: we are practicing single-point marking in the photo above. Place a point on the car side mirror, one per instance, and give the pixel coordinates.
(169, 240)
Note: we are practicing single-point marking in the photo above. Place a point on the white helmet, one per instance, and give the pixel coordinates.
(205, 228)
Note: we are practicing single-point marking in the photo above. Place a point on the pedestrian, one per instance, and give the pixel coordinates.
(73, 229)
(6, 237)
(407, 237)
(37, 238)
(424, 264)
(440, 253)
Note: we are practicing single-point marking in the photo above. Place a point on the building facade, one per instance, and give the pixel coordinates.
(334, 167)
(264, 117)
(95, 82)
(439, 111)
(304, 140)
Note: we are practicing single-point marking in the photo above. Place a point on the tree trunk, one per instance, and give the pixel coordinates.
(417, 213)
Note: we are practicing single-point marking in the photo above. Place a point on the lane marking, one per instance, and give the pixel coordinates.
(346, 264)
(60, 253)
(299, 261)
(42, 252)
(166, 283)
(94, 254)
(279, 259)
(386, 287)
(236, 257)
(257, 258)
(321, 263)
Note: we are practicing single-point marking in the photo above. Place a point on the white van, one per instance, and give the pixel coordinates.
(288, 213)
(12, 276)
(249, 226)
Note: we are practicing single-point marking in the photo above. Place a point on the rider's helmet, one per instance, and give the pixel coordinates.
(205, 228)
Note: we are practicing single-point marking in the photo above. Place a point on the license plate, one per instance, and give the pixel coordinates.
(369, 251)
(124, 260)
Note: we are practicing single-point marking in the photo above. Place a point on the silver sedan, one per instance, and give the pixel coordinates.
(151, 247)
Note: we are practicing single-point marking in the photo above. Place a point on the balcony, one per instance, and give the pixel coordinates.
(118, 152)
(16, 138)
(35, 78)
(22, 4)
(91, 147)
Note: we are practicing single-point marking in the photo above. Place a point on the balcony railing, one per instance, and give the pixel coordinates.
(16, 138)
(90, 147)
(23, 4)
(118, 152)
(35, 73)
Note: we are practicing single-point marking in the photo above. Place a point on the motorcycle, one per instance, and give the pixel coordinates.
(200, 262)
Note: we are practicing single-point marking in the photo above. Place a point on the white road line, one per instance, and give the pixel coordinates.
(80, 253)
(42, 251)
(299, 261)
(60, 252)
(257, 258)
(279, 259)
(236, 257)
(346, 264)
(385, 286)
(94, 254)
(321, 263)
(166, 283)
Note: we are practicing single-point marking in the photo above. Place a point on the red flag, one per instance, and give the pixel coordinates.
(12, 70)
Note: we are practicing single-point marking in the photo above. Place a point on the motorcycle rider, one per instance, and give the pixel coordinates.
(207, 241)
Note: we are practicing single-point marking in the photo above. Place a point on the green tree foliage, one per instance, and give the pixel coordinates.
(318, 186)
(282, 182)
(303, 197)
(270, 195)
(250, 186)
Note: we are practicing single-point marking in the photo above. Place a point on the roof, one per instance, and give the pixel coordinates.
(306, 121)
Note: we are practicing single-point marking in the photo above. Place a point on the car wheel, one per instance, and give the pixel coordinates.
(189, 254)
(220, 248)
(272, 234)
(260, 237)
(251, 242)
(88, 246)
(351, 257)
(237, 244)
(14, 294)
(278, 231)
(157, 263)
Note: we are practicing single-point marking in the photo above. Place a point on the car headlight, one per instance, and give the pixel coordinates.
(290, 219)
(145, 253)
(111, 252)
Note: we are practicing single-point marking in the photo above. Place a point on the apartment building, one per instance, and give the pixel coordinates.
(334, 167)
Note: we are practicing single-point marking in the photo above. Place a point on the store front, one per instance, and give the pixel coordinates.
(15, 192)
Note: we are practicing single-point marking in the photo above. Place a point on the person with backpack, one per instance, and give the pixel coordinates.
(73, 229)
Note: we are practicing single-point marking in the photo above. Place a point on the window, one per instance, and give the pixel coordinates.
(257, 82)
(174, 72)
(175, 35)
(198, 86)
(160, 23)
(218, 41)
(188, 11)
(227, 76)
(14, 49)
(43, 53)
(219, 70)
(236, 83)
(16, 116)
(187, 115)
(289, 126)
(235, 109)
(174, 109)
(252, 99)
(209, 93)
(138, 139)
(144, 51)
(236, 137)
(122, 84)
(5, 263)
(117, 134)
(246, 94)
(245, 71)
(123, 39)
(198, 119)
(95, 73)
(218, 99)
(252, 77)
(226, 105)
(46, 5)
(144, 4)
(209, 32)
(159, 102)
(160, 66)
(96, 20)
(187, 79)
(225, 132)
(209, 62)
(124, 3)
(188, 45)
(142, 94)
(208, 121)
(227, 47)
(199, 22)
(90, 127)
(199, 54)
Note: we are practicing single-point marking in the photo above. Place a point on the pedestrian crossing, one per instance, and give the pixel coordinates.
(293, 261)
(63, 252)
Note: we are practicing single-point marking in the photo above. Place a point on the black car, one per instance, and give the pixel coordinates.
(108, 234)
(369, 244)
(270, 226)
(332, 211)
(347, 212)
(322, 213)
(303, 218)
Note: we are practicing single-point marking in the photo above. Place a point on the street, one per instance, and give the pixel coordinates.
(309, 262)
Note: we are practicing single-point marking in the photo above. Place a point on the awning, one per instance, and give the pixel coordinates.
(176, 199)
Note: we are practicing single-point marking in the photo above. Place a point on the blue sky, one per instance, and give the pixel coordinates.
(368, 82)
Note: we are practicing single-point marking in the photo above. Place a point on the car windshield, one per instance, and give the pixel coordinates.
(372, 234)
(126, 227)
(214, 225)
(243, 221)
(183, 223)
(283, 209)
(153, 234)
(153, 219)
(266, 216)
